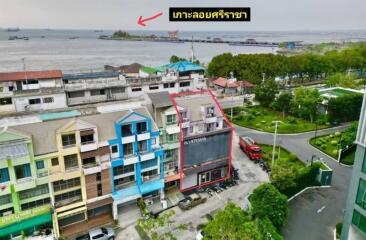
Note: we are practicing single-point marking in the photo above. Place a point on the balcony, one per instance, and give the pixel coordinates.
(68, 201)
(24, 183)
(71, 169)
(128, 139)
(130, 159)
(92, 168)
(88, 146)
(143, 136)
(147, 155)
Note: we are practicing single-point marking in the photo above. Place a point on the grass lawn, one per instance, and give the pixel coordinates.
(261, 118)
(329, 145)
(286, 159)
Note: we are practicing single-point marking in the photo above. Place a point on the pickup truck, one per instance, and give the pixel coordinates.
(98, 234)
(191, 201)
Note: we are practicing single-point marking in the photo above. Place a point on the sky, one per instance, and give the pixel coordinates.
(266, 15)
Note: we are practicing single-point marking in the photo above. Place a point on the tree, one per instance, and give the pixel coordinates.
(283, 103)
(232, 223)
(265, 93)
(343, 80)
(345, 108)
(306, 102)
(267, 201)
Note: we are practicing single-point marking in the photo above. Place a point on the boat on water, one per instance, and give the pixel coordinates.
(12, 30)
(18, 38)
(74, 37)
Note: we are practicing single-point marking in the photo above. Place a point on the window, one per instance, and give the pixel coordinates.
(71, 161)
(33, 192)
(11, 88)
(359, 220)
(361, 194)
(123, 169)
(89, 161)
(98, 236)
(114, 149)
(5, 199)
(153, 141)
(154, 87)
(54, 161)
(142, 145)
(136, 89)
(141, 127)
(34, 204)
(149, 163)
(71, 219)
(4, 175)
(67, 198)
(48, 100)
(171, 119)
(127, 149)
(148, 174)
(62, 185)
(34, 101)
(68, 140)
(184, 84)
(98, 177)
(76, 94)
(98, 211)
(364, 164)
(5, 101)
(99, 189)
(191, 129)
(169, 85)
(40, 164)
(126, 130)
(85, 139)
(30, 81)
(97, 92)
(22, 171)
(118, 90)
(124, 180)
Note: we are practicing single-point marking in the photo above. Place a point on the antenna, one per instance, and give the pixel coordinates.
(25, 72)
(192, 51)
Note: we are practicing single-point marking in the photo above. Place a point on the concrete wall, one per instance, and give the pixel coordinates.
(22, 103)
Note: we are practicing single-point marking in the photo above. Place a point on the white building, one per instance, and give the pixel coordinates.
(31, 91)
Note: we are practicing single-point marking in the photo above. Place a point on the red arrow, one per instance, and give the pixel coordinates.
(141, 21)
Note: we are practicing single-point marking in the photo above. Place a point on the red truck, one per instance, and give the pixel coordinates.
(250, 147)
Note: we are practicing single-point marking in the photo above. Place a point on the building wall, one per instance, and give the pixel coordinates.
(349, 229)
(22, 103)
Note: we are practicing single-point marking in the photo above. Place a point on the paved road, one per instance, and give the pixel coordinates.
(315, 213)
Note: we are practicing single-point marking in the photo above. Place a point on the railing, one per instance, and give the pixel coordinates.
(124, 185)
(150, 177)
(146, 80)
(68, 201)
(71, 169)
(88, 142)
(90, 165)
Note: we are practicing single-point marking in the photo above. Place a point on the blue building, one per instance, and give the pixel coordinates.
(137, 164)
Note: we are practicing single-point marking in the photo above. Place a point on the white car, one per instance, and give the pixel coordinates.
(99, 234)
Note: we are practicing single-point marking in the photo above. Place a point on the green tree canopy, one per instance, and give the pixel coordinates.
(267, 201)
(306, 102)
(283, 103)
(266, 92)
(343, 80)
(232, 223)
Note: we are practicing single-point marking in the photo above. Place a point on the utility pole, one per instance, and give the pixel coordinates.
(232, 103)
(274, 141)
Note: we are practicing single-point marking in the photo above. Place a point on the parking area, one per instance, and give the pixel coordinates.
(250, 174)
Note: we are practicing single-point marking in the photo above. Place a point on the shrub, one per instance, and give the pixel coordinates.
(334, 142)
(263, 121)
(323, 146)
(292, 157)
(239, 118)
(249, 117)
(335, 152)
(337, 133)
(291, 120)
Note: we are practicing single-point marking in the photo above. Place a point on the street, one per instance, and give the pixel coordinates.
(305, 222)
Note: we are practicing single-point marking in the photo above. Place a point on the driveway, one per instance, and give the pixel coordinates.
(315, 213)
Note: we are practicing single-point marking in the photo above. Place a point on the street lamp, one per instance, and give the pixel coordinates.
(274, 141)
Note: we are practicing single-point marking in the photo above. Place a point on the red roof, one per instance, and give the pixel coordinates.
(39, 75)
(225, 83)
(246, 84)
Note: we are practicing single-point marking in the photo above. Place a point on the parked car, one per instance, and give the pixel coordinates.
(98, 234)
(191, 201)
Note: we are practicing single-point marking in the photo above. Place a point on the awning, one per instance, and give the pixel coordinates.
(25, 224)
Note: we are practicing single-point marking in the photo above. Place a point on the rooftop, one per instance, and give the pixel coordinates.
(92, 75)
(36, 75)
(160, 99)
(184, 66)
(225, 83)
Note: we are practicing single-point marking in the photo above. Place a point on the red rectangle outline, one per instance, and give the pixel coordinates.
(203, 91)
